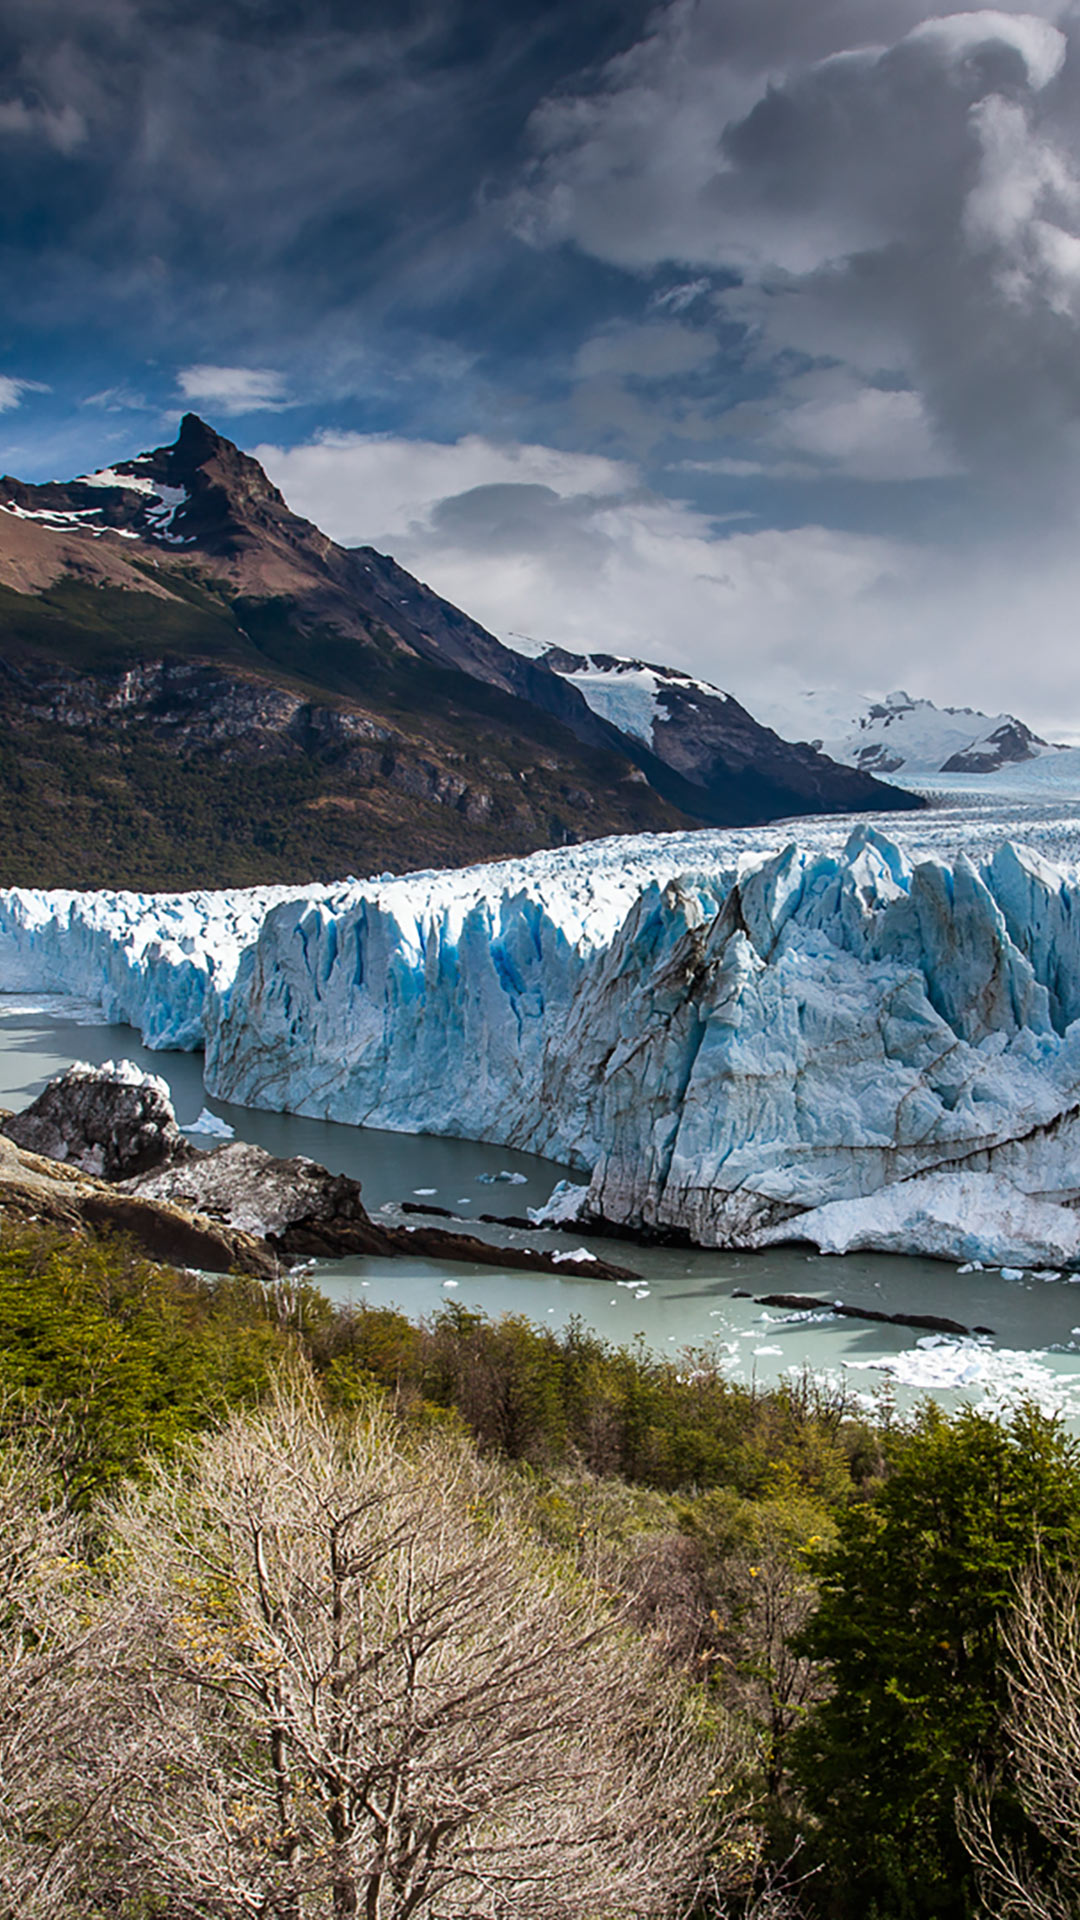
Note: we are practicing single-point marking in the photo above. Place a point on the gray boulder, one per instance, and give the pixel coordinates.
(298, 1207)
(112, 1121)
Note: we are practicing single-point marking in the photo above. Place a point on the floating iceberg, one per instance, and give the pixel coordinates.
(212, 1125)
(842, 1040)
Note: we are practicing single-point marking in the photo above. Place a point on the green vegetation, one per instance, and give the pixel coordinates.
(914, 1596)
(444, 769)
(127, 1356)
(97, 629)
(836, 1593)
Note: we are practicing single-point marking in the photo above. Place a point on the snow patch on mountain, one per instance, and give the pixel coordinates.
(156, 513)
(629, 694)
(110, 477)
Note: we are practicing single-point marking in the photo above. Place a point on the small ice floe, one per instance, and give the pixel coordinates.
(1003, 1376)
(212, 1125)
(464, 1201)
(768, 1350)
(505, 1176)
(1012, 1273)
(576, 1253)
(562, 1208)
(450, 1283)
(425, 1193)
(1045, 1273)
(643, 1294)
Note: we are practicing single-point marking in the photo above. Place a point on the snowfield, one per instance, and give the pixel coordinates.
(790, 1033)
(898, 735)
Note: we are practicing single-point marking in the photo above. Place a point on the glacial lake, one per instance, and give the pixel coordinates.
(685, 1301)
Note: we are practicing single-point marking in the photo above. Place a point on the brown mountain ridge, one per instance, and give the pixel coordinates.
(198, 687)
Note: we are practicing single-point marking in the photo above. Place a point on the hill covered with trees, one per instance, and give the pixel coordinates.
(314, 1611)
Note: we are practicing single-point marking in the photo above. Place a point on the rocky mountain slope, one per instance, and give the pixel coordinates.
(702, 734)
(908, 737)
(197, 686)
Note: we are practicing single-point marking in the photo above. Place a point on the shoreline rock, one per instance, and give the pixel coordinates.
(236, 1206)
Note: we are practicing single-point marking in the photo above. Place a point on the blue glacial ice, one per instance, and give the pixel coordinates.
(850, 1042)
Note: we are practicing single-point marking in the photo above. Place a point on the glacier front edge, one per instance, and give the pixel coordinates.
(742, 1040)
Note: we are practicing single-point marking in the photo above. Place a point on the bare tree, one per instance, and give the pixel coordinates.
(370, 1694)
(58, 1765)
(1042, 1653)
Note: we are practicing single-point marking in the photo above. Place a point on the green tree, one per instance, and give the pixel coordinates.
(121, 1356)
(915, 1596)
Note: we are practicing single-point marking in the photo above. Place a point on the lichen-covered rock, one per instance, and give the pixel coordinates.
(295, 1205)
(112, 1121)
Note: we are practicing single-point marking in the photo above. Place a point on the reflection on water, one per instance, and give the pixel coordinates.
(684, 1299)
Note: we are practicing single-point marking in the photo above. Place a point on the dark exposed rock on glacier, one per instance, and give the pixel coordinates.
(295, 1205)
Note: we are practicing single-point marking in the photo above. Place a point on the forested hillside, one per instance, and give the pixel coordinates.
(315, 1611)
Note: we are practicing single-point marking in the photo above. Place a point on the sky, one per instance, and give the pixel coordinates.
(738, 334)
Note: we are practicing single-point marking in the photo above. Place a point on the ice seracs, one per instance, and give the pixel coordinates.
(740, 1037)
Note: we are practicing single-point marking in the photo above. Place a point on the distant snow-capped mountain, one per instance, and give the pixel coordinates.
(703, 735)
(902, 735)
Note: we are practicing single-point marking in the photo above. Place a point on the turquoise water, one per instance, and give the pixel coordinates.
(685, 1300)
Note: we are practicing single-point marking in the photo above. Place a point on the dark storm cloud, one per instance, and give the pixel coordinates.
(891, 193)
(243, 155)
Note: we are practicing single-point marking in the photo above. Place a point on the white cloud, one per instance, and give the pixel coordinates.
(650, 353)
(63, 127)
(234, 389)
(570, 549)
(862, 433)
(1042, 47)
(12, 390)
(118, 400)
(373, 489)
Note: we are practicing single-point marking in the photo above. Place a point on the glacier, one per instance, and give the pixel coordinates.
(741, 1037)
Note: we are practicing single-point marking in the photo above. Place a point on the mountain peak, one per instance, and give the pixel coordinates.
(200, 459)
(198, 442)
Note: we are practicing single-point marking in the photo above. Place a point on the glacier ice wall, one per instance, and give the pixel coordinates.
(153, 961)
(727, 1035)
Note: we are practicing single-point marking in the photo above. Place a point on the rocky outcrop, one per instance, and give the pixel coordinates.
(237, 1207)
(34, 1188)
(296, 1206)
(113, 1121)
